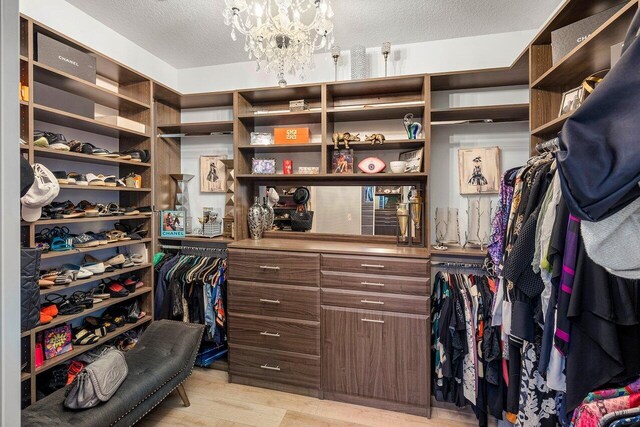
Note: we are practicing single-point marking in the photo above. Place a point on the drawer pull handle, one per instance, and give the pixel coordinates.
(270, 267)
(372, 265)
(366, 301)
(371, 284)
(372, 320)
(270, 301)
(270, 368)
(270, 334)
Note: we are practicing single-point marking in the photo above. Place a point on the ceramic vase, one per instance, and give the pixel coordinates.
(256, 220)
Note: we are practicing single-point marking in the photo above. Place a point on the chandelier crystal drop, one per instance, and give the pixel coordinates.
(281, 35)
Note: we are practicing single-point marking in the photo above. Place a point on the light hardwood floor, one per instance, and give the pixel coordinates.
(215, 402)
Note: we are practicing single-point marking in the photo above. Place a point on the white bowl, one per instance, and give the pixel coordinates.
(398, 166)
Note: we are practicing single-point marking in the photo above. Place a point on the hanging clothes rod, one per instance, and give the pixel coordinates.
(183, 135)
(194, 248)
(550, 146)
(457, 265)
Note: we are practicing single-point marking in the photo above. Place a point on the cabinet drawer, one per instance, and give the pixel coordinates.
(376, 265)
(275, 366)
(376, 301)
(298, 336)
(292, 268)
(295, 302)
(376, 283)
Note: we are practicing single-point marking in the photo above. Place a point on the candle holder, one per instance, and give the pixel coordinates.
(335, 54)
(386, 50)
(409, 229)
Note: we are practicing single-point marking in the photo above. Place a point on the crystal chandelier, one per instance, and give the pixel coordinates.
(277, 36)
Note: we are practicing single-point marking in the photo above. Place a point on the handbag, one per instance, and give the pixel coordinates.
(598, 159)
(301, 219)
(97, 382)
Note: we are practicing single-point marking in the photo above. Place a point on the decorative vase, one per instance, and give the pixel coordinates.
(268, 215)
(403, 222)
(358, 62)
(256, 220)
(182, 197)
(413, 128)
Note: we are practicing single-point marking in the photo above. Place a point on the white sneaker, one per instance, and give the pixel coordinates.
(95, 180)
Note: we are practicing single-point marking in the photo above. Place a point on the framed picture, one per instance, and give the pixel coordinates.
(413, 159)
(172, 223)
(213, 174)
(342, 161)
(571, 100)
(263, 166)
(479, 170)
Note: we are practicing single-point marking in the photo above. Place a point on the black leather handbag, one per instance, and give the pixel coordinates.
(301, 219)
(599, 156)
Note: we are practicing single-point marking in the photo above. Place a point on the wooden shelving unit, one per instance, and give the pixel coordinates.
(493, 113)
(132, 100)
(549, 81)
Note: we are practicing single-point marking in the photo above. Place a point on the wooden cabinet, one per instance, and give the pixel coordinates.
(368, 355)
(362, 319)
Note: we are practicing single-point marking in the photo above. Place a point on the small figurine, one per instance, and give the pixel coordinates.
(375, 138)
(345, 138)
(413, 128)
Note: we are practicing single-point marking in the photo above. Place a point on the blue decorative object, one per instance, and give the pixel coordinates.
(413, 128)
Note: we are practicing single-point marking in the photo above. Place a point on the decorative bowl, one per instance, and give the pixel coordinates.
(398, 166)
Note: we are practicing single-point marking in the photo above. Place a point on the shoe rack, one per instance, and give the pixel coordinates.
(132, 100)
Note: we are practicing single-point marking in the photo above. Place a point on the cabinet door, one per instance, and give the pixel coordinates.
(376, 355)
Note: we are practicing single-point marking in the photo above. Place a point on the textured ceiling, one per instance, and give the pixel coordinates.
(191, 33)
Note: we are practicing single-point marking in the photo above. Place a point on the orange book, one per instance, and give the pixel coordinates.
(291, 136)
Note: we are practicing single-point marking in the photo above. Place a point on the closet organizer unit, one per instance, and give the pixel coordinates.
(131, 100)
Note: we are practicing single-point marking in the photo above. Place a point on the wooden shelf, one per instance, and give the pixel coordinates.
(94, 278)
(79, 349)
(24, 376)
(282, 147)
(60, 319)
(196, 100)
(496, 113)
(516, 75)
(25, 103)
(75, 121)
(389, 144)
(355, 177)
(458, 251)
(278, 95)
(282, 119)
(86, 219)
(366, 88)
(552, 127)
(24, 58)
(198, 127)
(375, 112)
(593, 54)
(57, 254)
(69, 83)
(101, 188)
(218, 239)
(81, 157)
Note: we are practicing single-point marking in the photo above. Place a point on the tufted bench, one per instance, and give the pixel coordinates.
(158, 364)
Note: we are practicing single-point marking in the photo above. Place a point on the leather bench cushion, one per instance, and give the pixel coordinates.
(162, 359)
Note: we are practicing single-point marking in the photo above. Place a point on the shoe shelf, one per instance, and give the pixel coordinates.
(86, 219)
(102, 188)
(94, 278)
(79, 349)
(56, 254)
(60, 319)
(64, 118)
(81, 157)
(69, 83)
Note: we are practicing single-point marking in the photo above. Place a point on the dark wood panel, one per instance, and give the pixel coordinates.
(297, 336)
(276, 367)
(376, 301)
(376, 283)
(421, 411)
(282, 267)
(376, 265)
(376, 355)
(295, 302)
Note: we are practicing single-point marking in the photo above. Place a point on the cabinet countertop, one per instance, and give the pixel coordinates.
(325, 246)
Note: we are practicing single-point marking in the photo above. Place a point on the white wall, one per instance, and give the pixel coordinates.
(71, 21)
(467, 53)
